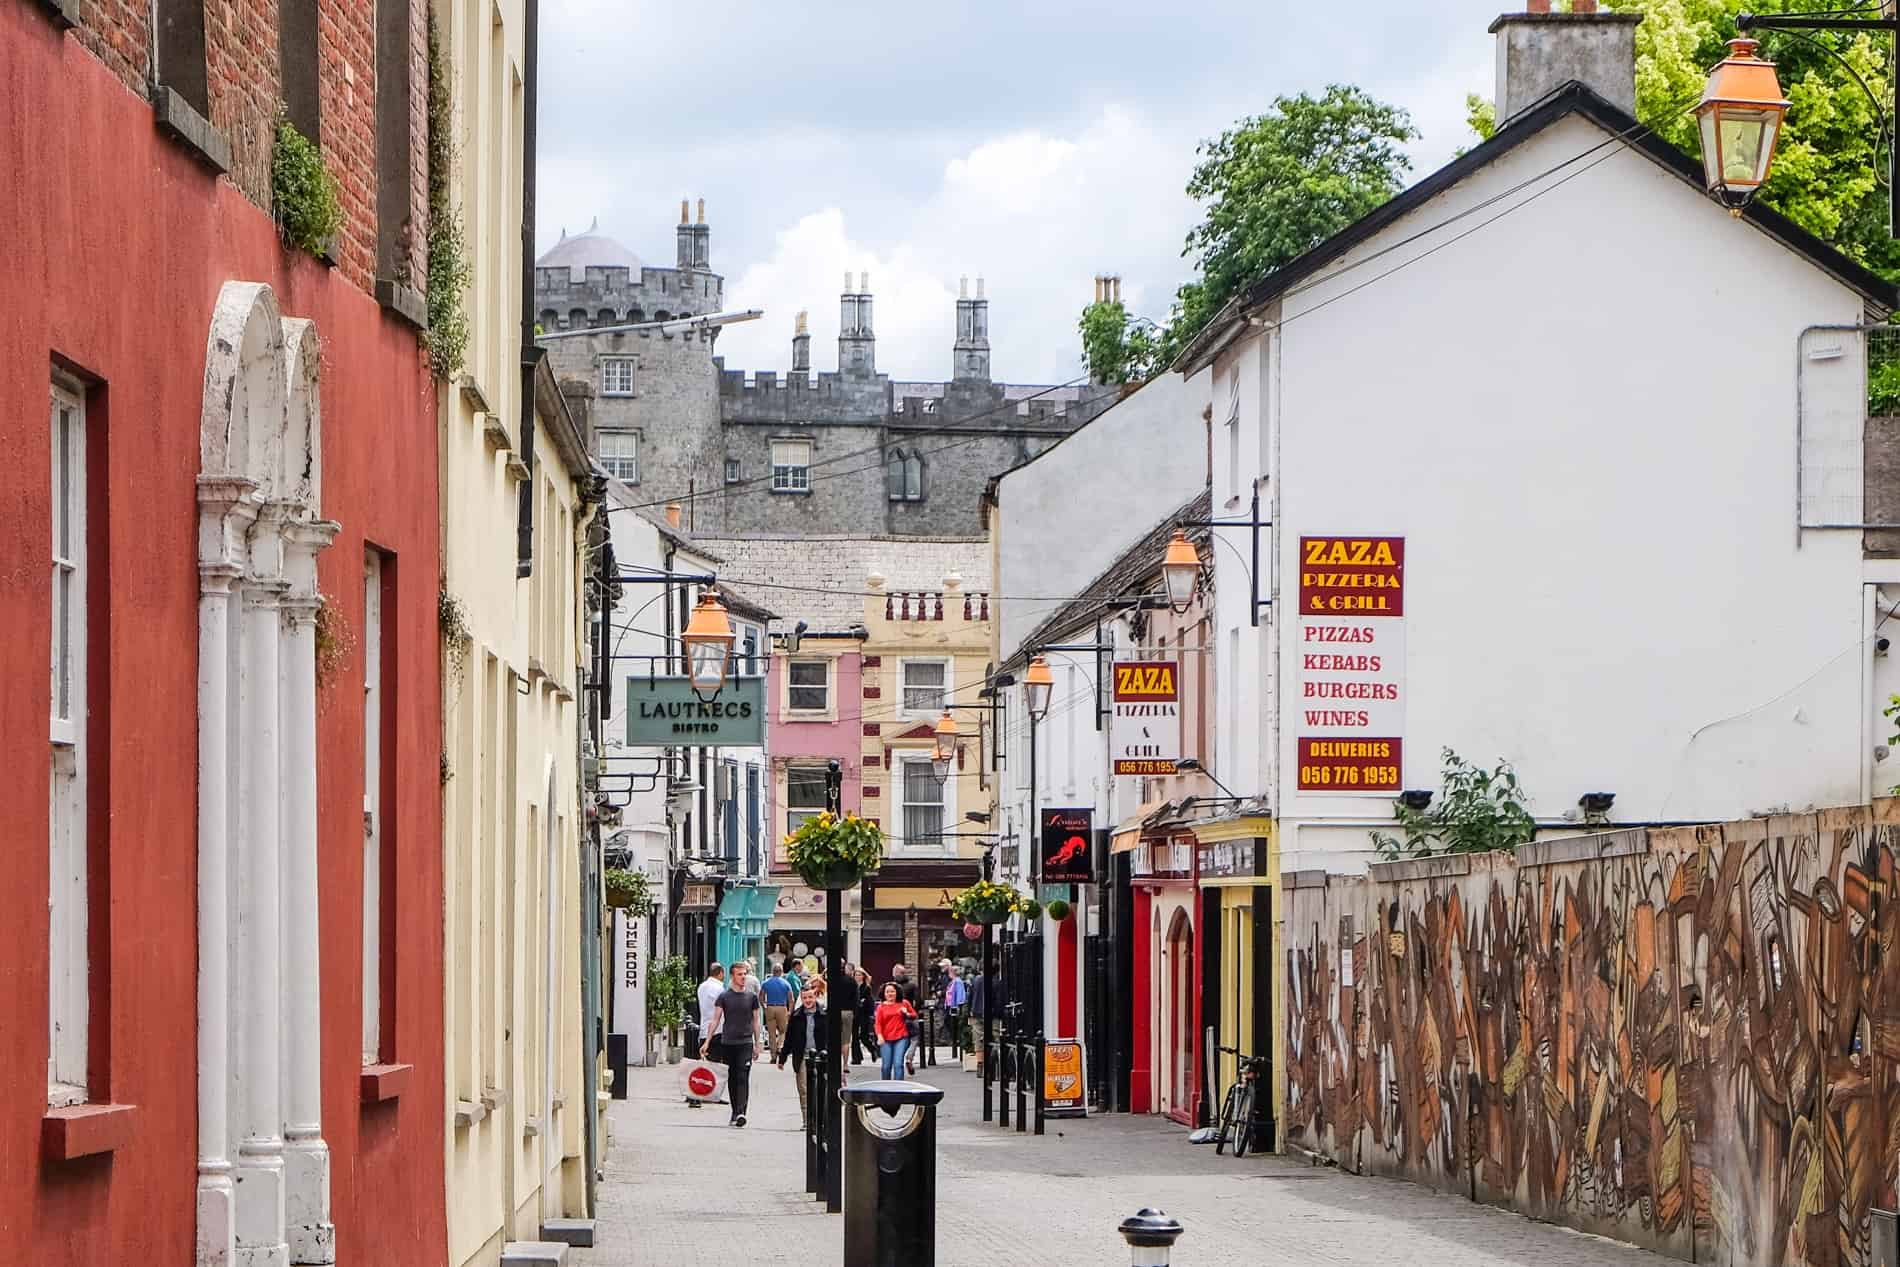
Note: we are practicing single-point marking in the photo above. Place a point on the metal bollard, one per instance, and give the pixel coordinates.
(890, 1215)
(1002, 1081)
(1151, 1235)
(814, 1075)
(1041, 1083)
(1022, 1085)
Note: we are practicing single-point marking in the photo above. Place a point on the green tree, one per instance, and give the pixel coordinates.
(1831, 162)
(1116, 347)
(1278, 184)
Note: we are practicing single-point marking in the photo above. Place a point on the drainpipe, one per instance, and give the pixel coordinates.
(531, 352)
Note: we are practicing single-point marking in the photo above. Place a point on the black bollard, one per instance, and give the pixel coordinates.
(814, 1075)
(1022, 1080)
(890, 1216)
(1041, 1083)
(1003, 1049)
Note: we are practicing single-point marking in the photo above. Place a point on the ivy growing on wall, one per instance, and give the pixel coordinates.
(303, 192)
(449, 269)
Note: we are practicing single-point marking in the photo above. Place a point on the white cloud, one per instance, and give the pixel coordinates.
(1036, 215)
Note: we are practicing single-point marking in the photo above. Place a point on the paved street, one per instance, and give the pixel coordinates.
(683, 1187)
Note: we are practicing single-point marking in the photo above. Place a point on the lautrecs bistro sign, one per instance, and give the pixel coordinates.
(663, 712)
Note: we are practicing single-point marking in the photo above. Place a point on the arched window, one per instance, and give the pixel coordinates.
(662, 315)
(550, 320)
(577, 319)
(605, 317)
(904, 476)
(636, 315)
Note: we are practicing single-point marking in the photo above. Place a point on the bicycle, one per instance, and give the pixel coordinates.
(1236, 1113)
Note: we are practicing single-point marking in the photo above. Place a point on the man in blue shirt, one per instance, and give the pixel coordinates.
(777, 993)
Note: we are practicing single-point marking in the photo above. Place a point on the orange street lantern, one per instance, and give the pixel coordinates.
(708, 640)
(1181, 571)
(1038, 681)
(1740, 117)
(945, 753)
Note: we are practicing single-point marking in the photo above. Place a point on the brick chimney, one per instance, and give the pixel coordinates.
(1540, 51)
(673, 510)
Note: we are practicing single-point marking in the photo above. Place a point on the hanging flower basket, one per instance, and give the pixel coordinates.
(986, 902)
(1030, 910)
(829, 852)
(627, 891)
(1059, 910)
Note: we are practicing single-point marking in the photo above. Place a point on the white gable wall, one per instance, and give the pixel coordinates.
(1581, 418)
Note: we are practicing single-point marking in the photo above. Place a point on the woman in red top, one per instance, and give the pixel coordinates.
(892, 1022)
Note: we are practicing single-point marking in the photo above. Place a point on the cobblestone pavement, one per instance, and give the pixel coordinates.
(683, 1187)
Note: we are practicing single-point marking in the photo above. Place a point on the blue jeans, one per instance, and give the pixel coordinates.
(891, 1058)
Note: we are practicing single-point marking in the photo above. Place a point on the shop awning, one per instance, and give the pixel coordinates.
(749, 909)
(1127, 834)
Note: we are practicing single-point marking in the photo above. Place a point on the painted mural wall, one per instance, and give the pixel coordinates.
(1686, 1038)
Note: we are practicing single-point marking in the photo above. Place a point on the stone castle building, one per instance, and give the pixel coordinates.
(802, 454)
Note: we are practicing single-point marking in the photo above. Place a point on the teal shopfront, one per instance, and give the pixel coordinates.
(745, 917)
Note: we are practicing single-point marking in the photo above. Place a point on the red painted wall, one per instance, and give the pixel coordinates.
(1142, 1002)
(113, 254)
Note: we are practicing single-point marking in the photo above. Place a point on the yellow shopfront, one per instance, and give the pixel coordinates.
(1237, 862)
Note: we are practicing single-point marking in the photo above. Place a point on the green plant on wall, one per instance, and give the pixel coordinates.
(334, 641)
(1477, 810)
(449, 269)
(303, 192)
(452, 617)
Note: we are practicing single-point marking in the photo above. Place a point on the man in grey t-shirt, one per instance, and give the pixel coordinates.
(737, 1027)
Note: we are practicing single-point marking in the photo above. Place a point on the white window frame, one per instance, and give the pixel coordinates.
(611, 369)
(732, 471)
(69, 1003)
(372, 642)
(790, 477)
(611, 462)
(793, 713)
(927, 713)
(945, 802)
(797, 814)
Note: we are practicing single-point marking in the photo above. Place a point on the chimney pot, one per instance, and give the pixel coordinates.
(702, 211)
(673, 512)
(979, 288)
(1539, 51)
(847, 282)
(963, 288)
(682, 211)
(864, 283)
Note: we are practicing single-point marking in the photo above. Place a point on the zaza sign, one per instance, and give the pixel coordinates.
(663, 712)
(1144, 733)
(1350, 709)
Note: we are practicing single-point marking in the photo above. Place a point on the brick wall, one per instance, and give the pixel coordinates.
(242, 71)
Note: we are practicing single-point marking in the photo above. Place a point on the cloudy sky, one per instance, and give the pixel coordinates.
(1031, 142)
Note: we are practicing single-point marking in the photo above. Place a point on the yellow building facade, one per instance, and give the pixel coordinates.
(517, 497)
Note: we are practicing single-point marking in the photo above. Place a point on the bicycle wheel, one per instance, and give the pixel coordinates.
(1227, 1111)
(1243, 1121)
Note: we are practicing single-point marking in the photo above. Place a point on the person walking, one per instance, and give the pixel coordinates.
(847, 1004)
(709, 991)
(740, 1028)
(804, 1037)
(907, 991)
(955, 995)
(794, 977)
(776, 992)
(865, 1036)
(894, 1018)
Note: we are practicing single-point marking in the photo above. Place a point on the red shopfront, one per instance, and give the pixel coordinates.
(1165, 1070)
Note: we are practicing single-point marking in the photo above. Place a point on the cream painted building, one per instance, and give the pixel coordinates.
(924, 649)
(517, 494)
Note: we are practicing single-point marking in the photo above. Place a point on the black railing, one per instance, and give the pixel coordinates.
(818, 1110)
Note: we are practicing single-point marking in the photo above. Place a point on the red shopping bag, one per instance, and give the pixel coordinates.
(703, 1080)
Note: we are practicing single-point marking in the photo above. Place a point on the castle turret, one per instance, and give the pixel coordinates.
(971, 359)
(801, 347)
(857, 337)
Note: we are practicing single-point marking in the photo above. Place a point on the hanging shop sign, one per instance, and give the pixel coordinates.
(1350, 706)
(1144, 733)
(1064, 1092)
(630, 986)
(1233, 859)
(1068, 856)
(697, 898)
(663, 712)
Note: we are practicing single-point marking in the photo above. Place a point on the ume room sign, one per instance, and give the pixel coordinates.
(1350, 708)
